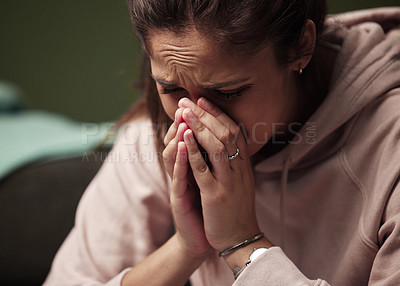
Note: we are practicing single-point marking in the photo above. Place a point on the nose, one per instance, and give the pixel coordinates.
(194, 98)
(194, 95)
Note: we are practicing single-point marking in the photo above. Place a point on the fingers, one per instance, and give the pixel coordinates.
(224, 128)
(180, 200)
(216, 150)
(232, 126)
(179, 182)
(218, 134)
(170, 150)
(174, 127)
(218, 122)
(201, 172)
(186, 207)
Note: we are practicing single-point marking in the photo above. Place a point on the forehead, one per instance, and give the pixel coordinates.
(193, 57)
(185, 44)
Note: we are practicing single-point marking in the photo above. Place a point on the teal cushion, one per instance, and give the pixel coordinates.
(27, 136)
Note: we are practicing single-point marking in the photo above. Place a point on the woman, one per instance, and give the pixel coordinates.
(280, 141)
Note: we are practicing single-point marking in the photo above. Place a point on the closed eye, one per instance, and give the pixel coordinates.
(222, 95)
(231, 94)
(171, 90)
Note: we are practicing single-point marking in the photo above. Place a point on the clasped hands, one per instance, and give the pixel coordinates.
(213, 203)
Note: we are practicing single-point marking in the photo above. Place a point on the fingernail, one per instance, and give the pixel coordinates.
(205, 103)
(178, 115)
(189, 135)
(180, 126)
(190, 115)
(185, 102)
(181, 130)
(181, 152)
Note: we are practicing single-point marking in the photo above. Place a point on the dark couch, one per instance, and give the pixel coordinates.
(38, 204)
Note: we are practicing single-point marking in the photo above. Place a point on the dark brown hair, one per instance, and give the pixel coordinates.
(246, 25)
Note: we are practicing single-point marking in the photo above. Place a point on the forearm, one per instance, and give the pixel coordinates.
(168, 265)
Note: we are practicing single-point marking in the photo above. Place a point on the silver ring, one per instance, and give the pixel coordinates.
(234, 155)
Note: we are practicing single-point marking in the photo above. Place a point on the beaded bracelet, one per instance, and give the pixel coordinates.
(241, 244)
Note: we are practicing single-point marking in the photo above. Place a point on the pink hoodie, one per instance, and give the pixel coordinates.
(330, 199)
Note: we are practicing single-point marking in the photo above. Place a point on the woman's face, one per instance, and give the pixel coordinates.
(253, 90)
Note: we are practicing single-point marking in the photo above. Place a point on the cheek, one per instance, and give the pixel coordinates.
(258, 133)
(258, 128)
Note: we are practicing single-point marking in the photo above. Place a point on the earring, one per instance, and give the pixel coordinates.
(300, 70)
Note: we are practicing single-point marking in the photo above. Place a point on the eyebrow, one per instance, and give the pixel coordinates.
(159, 80)
(213, 86)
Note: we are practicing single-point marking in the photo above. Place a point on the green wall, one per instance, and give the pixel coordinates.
(80, 57)
(76, 57)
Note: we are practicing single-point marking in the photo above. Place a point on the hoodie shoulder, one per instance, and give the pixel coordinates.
(366, 82)
(375, 136)
(371, 157)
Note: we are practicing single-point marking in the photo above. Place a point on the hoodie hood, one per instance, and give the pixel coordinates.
(366, 45)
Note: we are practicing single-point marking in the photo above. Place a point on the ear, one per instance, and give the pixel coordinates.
(302, 51)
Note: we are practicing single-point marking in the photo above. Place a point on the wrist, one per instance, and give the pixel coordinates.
(170, 264)
(242, 244)
(239, 257)
(194, 256)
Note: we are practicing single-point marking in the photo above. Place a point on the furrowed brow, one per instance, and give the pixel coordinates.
(210, 87)
(162, 81)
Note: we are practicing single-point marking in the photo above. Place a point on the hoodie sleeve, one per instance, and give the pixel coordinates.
(274, 268)
(123, 215)
(386, 267)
